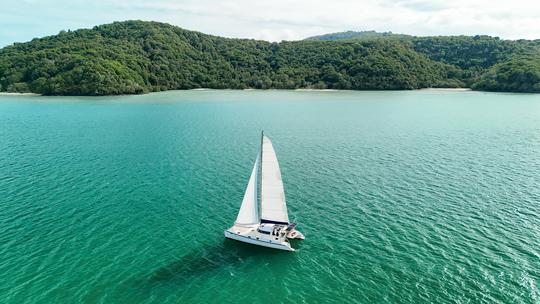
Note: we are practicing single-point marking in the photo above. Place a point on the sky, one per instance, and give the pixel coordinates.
(276, 20)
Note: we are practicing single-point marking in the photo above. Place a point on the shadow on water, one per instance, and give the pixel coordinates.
(211, 258)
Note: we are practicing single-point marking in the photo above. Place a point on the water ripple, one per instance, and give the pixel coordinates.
(402, 198)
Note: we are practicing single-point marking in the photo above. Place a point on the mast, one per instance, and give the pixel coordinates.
(262, 137)
(259, 181)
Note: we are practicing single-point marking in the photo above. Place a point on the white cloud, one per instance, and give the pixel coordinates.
(284, 19)
(280, 19)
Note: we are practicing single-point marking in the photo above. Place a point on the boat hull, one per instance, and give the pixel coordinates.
(265, 243)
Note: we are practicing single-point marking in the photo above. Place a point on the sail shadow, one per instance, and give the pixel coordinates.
(208, 259)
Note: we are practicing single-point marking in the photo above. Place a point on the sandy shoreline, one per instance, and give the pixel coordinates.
(251, 89)
(446, 89)
(18, 94)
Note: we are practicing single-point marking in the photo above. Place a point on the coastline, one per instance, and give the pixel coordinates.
(252, 89)
(18, 94)
(446, 89)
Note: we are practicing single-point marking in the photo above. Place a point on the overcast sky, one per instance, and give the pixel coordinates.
(276, 20)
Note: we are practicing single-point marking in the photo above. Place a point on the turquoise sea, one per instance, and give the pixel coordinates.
(403, 196)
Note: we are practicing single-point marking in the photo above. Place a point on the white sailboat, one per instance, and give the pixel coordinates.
(271, 227)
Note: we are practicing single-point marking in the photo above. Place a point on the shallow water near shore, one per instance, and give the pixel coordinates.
(403, 196)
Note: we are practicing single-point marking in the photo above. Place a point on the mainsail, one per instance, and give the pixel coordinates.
(273, 207)
(249, 213)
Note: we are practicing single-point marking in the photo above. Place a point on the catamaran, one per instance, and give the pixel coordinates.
(272, 228)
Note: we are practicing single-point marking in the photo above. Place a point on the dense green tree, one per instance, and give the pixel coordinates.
(134, 57)
(481, 62)
(520, 74)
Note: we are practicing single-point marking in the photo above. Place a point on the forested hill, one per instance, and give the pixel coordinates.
(134, 57)
(356, 35)
(485, 63)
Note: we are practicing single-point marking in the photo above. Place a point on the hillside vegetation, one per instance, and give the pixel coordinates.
(484, 62)
(135, 57)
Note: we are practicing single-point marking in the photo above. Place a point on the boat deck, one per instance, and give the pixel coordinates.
(252, 236)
